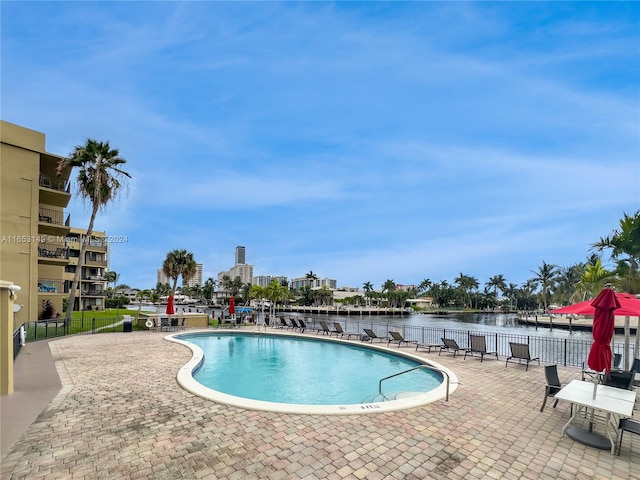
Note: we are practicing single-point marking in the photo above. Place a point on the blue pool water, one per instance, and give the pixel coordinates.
(294, 370)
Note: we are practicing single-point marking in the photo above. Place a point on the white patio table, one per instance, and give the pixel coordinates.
(613, 402)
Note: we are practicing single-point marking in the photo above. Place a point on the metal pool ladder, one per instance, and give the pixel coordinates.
(411, 370)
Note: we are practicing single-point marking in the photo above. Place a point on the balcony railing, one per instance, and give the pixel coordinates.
(52, 250)
(48, 215)
(54, 183)
(50, 285)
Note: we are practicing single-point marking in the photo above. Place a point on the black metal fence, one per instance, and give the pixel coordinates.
(563, 351)
(57, 327)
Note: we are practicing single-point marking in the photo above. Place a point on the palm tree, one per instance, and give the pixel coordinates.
(545, 278)
(99, 180)
(141, 295)
(311, 277)
(111, 277)
(593, 279)
(466, 284)
(624, 244)
(497, 282)
(368, 288)
(179, 263)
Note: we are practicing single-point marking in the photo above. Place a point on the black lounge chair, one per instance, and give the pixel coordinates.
(451, 346)
(371, 335)
(396, 337)
(283, 323)
(293, 324)
(339, 331)
(521, 352)
(553, 385)
(478, 345)
(324, 328)
(302, 325)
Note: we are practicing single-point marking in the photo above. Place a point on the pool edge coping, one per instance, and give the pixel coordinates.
(186, 381)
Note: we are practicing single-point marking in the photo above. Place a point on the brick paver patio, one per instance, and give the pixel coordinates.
(122, 415)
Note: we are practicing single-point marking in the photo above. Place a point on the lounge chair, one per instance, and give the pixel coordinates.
(371, 335)
(293, 324)
(302, 325)
(174, 324)
(553, 385)
(521, 352)
(627, 425)
(478, 345)
(324, 328)
(451, 346)
(339, 331)
(396, 337)
(283, 323)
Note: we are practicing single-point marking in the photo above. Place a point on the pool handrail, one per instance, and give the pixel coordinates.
(430, 367)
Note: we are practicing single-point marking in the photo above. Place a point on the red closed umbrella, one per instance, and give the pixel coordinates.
(603, 327)
(170, 309)
(232, 306)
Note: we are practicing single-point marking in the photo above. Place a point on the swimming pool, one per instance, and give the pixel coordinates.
(292, 373)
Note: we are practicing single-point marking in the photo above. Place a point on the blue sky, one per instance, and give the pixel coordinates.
(364, 141)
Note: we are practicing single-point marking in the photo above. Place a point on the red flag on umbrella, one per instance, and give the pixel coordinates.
(603, 327)
(170, 310)
(232, 306)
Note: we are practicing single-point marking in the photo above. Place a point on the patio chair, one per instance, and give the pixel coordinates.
(622, 379)
(521, 352)
(451, 345)
(174, 324)
(283, 323)
(339, 331)
(396, 337)
(553, 385)
(479, 345)
(164, 323)
(372, 336)
(627, 425)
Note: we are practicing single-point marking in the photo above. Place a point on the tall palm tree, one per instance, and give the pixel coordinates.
(368, 288)
(179, 263)
(311, 277)
(593, 279)
(100, 179)
(545, 278)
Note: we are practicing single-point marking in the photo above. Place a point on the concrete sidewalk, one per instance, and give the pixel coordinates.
(36, 382)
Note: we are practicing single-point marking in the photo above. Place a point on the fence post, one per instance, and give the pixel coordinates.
(93, 325)
(565, 352)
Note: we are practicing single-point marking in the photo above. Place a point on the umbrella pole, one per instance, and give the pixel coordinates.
(627, 331)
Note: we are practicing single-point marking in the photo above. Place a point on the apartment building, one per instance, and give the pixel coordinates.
(40, 249)
(33, 222)
(93, 283)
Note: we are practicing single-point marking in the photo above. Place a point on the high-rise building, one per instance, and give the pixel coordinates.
(93, 282)
(240, 256)
(162, 277)
(196, 279)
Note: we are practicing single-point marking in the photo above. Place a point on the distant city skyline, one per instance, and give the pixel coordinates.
(363, 141)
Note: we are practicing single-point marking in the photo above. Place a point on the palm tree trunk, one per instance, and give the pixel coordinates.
(76, 276)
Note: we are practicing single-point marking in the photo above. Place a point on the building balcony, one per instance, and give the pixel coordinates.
(50, 285)
(52, 254)
(54, 191)
(50, 222)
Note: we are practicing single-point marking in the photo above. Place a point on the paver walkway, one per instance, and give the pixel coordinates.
(121, 415)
